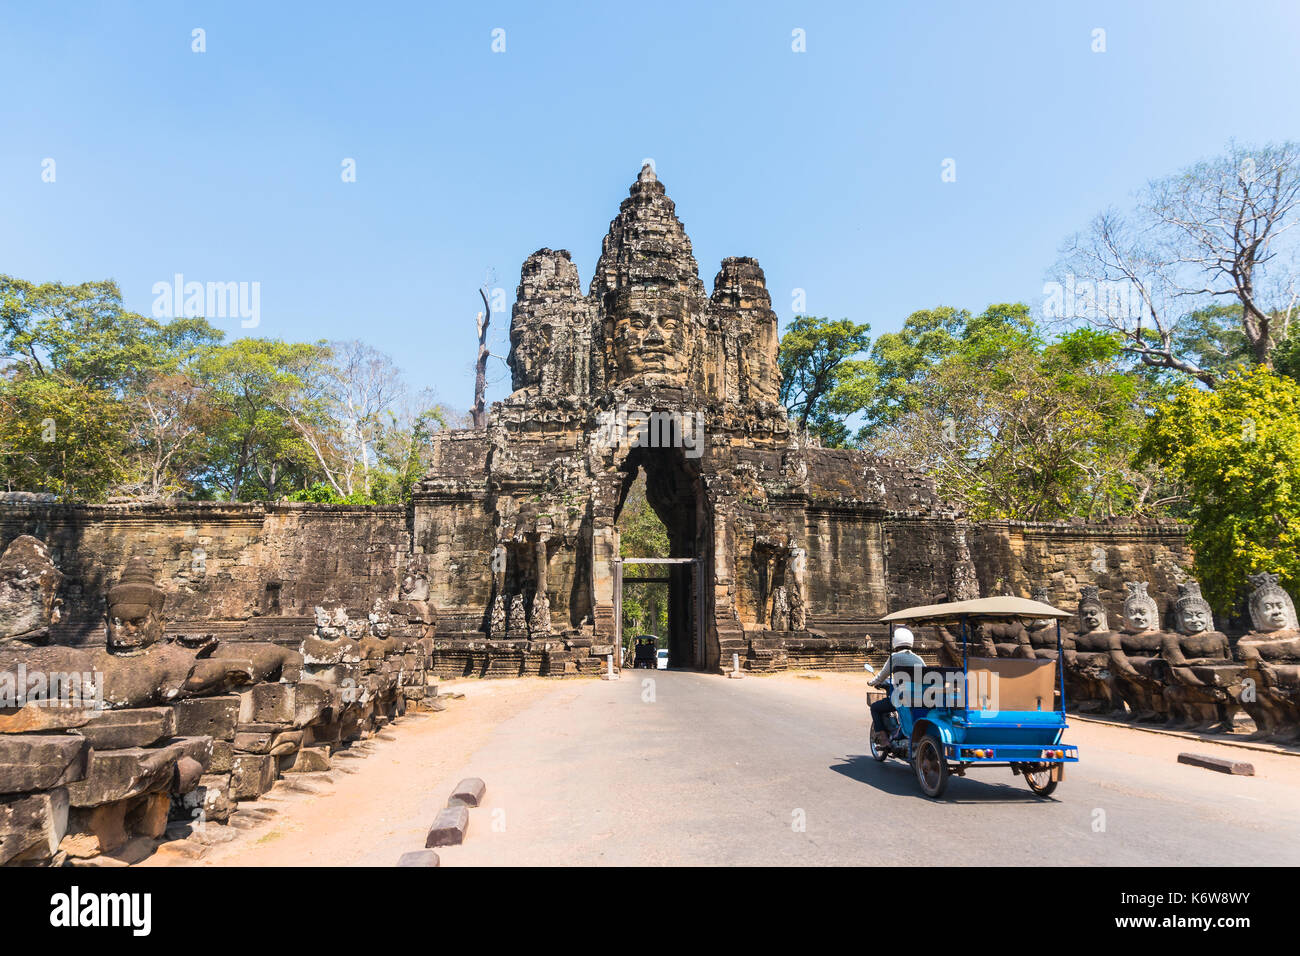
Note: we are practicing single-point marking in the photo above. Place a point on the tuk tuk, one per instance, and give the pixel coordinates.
(989, 712)
(644, 654)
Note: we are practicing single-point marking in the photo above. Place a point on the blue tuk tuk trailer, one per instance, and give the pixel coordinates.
(1002, 712)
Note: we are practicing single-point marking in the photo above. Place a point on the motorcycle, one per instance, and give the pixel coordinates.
(895, 742)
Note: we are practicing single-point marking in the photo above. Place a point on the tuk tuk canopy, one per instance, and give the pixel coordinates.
(993, 607)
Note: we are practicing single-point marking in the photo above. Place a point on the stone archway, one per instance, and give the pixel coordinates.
(675, 492)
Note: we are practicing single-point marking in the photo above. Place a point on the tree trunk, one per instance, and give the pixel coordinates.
(479, 413)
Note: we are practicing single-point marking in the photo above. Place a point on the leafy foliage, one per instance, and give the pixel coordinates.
(1015, 427)
(822, 380)
(1237, 451)
(643, 535)
(98, 401)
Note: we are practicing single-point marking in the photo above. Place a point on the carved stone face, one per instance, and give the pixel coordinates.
(135, 606)
(1140, 617)
(1093, 618)
(415, 586)
(649, 335)
(1271, 608)
(1140, 609)
(1274, 615)
(1193, 619)
(29, 584)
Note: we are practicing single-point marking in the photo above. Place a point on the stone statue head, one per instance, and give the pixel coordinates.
(1140, 609)
(135, 610)
(379, 619)
(1271, 608)
(649, 336)
(29, 587)
(1043, 595)
(1192, 614)
(1092, 613)
(415, 584)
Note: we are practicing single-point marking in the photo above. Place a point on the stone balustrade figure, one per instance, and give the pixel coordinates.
(1136, 665)
(1089, 684)
(1203, 680)
(29, 591)
(1042, 632)
(1270, 653)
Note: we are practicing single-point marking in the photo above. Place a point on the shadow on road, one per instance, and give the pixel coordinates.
(896, 777)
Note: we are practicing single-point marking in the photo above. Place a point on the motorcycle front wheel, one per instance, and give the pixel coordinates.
(876, 751)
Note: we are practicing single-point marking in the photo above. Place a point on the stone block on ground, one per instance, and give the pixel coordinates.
(222, 752)
(311, 759)
(468, 793)
(251, 775)
(39, 717)
(1219, 764)
(418, 858)
(449, 827)
(267, 703)
(120, 774)
(148, 817)
(313, 702)
(107, 823)
(210, 800)
(213, 717)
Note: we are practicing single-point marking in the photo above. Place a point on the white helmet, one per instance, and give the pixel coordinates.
(902, 638)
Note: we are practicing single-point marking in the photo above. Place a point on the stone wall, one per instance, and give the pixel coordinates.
(254, 570)
(247, 569)
(1011, 557)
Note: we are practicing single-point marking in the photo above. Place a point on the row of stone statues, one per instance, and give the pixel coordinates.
(100, 745)
(1192, 676)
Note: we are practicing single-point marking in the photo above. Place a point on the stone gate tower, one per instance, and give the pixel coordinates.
(796, 549)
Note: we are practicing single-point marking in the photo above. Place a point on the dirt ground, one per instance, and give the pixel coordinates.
(383, 808)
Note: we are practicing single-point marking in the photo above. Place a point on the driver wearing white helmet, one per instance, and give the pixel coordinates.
(903, 658)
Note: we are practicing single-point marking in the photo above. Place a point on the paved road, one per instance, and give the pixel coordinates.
(696, 769)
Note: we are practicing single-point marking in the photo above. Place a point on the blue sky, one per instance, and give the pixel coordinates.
(825, 165)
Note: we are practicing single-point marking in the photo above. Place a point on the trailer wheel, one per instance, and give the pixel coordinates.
(1040, 779)
(931, 769)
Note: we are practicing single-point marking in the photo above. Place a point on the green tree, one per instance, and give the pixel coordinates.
(643, 535)
(1236, 450)
(823, 380)
(903, 360)
(258, 388)
(405, 447)
(78, 331)
(60, 436)
(1015, 427)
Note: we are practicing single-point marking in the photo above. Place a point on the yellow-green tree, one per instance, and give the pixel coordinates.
(1236, 450)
